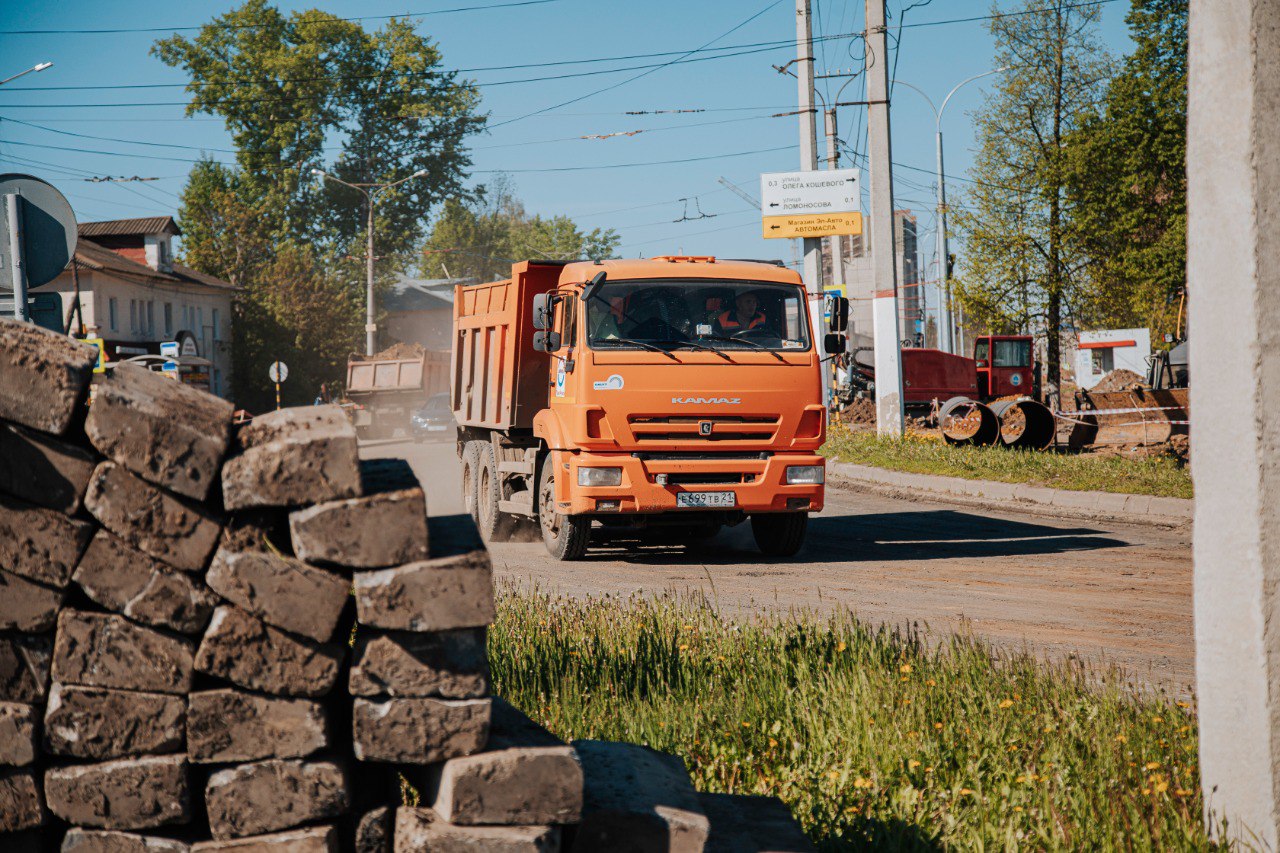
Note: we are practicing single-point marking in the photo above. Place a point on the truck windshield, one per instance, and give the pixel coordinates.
(675, 313)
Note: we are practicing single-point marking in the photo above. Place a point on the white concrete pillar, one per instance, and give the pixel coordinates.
(1233, 270)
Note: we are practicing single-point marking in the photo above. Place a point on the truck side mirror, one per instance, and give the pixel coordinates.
(835, 343)
(544, 341)
(542, 306)
(839, 314)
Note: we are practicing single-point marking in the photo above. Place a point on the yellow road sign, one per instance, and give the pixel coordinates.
(812, 225)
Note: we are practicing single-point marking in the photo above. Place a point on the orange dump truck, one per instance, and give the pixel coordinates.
(674, 392)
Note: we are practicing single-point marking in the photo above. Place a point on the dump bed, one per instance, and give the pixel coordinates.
(499, 380)
(930, 374)
(425, 375)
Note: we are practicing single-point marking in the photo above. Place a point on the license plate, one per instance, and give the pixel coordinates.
(703, 500)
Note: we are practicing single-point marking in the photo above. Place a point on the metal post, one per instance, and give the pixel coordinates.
(948, 323)
(884, 304)
(809, 163)
(277, 396)
(837, 240)
(370, 328)
(17, 264)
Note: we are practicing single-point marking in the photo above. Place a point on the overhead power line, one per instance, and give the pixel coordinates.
(195, 27)
(634, 165)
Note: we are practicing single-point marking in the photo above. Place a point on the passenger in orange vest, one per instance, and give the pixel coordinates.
(744, 316)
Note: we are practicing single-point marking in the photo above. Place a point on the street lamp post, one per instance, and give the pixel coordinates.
(947, 332)
(370, 327)
(40, 66)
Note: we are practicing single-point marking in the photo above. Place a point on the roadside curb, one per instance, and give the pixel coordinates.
(1137, 509)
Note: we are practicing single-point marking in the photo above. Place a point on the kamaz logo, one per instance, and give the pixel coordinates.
(707, 401)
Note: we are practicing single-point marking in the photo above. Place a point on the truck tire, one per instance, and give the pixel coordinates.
(470, 461)
(495, 525)
(566, 536)
(780, 534)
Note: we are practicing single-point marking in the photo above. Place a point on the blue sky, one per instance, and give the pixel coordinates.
(739, 94)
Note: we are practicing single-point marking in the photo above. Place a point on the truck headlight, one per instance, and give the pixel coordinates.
(599, 476)
(806, 475)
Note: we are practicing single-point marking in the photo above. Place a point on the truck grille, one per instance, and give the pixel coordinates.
(710, 429)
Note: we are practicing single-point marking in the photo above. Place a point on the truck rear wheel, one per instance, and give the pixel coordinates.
(470, 461)
(780, 534)
(566, 536)
(494, 524)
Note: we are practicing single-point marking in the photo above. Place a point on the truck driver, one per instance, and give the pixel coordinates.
(744, 316)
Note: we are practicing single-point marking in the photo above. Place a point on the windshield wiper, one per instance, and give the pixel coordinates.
(635, 343)
(751, 344)
(699, 346)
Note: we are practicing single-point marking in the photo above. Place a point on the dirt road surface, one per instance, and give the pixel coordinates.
(1095, 590)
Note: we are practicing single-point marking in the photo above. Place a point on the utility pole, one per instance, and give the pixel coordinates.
(833, 162)
(370, 191)
(884, 303)
(809, 163)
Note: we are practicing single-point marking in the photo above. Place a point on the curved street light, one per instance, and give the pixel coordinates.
(40, 66)
(947, 330)
(370, 193)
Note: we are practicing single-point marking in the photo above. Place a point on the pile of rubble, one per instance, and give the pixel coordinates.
(245, 639)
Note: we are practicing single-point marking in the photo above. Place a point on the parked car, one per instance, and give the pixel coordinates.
(434, 421)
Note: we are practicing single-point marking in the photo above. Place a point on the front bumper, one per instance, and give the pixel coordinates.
(758, 485)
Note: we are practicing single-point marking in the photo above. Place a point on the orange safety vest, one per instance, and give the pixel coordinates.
(727, 320)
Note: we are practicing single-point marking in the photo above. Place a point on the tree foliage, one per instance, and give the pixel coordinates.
(482, 238)
(291, 88)
(1020, 273)
(1127, 178)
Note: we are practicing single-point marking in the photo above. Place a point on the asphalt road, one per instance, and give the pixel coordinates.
(1097, 591)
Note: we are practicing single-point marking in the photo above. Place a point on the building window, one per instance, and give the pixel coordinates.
(162, 254)
(215, 324)
(151, 318)
(133, 315)
(200, 321)
(168, 321)
(112, 319)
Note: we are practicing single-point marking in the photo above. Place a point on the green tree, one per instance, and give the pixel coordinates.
(302, 92)
(1020, 272)
(1127, 179)
(482, 238)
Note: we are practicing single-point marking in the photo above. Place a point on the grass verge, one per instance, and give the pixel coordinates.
(872, 738)
(1159, 476)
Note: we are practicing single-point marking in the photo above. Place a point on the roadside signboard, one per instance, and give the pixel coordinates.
(812, 225)
(811, 204)
(170, 349)
(278, 371)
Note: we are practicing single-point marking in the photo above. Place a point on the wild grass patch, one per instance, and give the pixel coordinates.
(1161, 476)
(873, 738)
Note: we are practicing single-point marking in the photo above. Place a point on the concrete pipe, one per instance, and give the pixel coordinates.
(965, 421)
(1025, 423)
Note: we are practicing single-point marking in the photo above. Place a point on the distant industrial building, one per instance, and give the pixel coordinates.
(124, 287)
(860, 284)
(420, 311)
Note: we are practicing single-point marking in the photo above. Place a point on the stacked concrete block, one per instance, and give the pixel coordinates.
(243, 641)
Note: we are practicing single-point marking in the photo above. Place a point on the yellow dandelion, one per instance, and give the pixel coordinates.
(964, 792)
(833, 774)
(1017, 808)
(1020, 779)
(1161, 786)
(1152, 765)
(938, 726)
(912, 764)
(662, 725)
(1184, 704)
(1185, 729)
(1146, 791)
(861, 783)
(931, 682)
(688, 627)
(720, 658)
(906, 667)
(745, 724)
(1006, 703)
(1182, 792)
(684, 646)
(928, 770)
(1157, 719)
(1121, 739)
(772, 742)
(841, 646)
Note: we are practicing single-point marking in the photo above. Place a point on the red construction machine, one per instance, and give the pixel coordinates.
(991, 398)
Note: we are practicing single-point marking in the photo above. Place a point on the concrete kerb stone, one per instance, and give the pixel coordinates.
(225, 726)
(43, 375)
(293, 457)
(131, 793)
(267, 796)
(423, 831)
(313, 839)
(79, 840)
(44, 470)
(167, 433)
(281, 591)
(1017, 497)
(18, 723)
(246, 651)
(97, 723)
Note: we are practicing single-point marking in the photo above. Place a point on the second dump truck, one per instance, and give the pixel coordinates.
(676, 392)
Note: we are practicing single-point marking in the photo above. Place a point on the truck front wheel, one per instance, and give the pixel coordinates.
(780, 534)
(566, 536)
